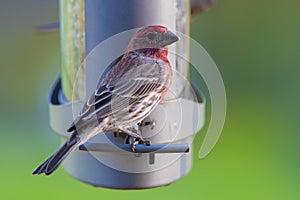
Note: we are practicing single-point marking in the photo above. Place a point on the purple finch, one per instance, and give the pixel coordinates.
(127, 94)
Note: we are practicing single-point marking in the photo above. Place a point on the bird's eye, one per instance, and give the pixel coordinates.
(151, 36)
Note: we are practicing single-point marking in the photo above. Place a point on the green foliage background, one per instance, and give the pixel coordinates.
(256, 46)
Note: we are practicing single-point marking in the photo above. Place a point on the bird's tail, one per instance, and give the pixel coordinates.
(57, 158)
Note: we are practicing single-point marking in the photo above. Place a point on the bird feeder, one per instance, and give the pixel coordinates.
(93, 34)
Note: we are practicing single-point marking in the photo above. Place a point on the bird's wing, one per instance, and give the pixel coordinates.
(143, 82)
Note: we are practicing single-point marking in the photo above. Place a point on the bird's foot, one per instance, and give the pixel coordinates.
(139, 141)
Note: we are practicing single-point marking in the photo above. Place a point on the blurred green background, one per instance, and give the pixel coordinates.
(256, 47)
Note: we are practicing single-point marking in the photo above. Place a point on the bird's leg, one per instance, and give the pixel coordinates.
(139, 140)
(134, 132)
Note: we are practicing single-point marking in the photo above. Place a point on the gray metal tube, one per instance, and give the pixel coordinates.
(107, 18)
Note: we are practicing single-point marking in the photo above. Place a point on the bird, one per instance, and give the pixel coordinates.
(125, 95)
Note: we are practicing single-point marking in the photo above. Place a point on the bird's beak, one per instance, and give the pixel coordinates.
(168, 38)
